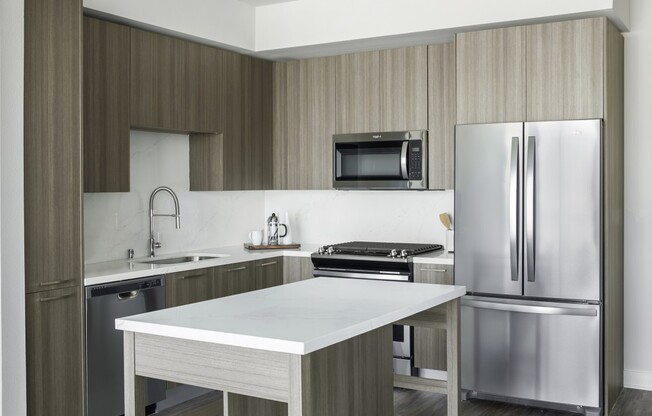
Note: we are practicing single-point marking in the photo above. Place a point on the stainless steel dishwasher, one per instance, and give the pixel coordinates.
(104, 348)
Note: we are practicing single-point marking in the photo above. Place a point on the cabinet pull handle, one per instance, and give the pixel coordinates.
(435, 270)
(54, 298)
(190, 276)
(237, 269)
(271, 263)
(54, 282)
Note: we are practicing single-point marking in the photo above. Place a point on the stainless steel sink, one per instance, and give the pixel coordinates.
(183, 259)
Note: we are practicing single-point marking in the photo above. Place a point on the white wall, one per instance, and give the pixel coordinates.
(638, 197)
(114, 222)
(12, 269)
(325, 217)
(228, 22)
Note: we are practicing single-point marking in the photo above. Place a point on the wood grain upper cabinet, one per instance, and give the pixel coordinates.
(491, 75)
(188, 287)
(233, 279)
(404, 89)
(304, 123)
(441, 115)
(565, 70)
(257, 124)
(54, 353)
(357, 84)
(106, 106)
(53, 144)
(269, 272)
(430, 344)
(157, 82)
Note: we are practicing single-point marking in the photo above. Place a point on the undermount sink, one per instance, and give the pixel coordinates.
(183, 259)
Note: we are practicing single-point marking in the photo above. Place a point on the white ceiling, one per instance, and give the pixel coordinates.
(257, 3)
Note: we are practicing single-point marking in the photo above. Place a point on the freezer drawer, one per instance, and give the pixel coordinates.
(533, 351)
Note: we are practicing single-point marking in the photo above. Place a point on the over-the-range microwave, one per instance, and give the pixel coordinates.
(385, 160)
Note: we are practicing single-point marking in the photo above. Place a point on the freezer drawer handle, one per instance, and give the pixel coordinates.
(540, 310)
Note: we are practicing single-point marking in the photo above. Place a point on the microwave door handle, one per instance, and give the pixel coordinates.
(404, 162)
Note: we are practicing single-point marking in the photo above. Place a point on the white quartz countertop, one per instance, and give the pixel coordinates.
(296, 318)
(117, 270)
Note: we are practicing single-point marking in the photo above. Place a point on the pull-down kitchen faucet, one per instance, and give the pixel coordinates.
(153, 244)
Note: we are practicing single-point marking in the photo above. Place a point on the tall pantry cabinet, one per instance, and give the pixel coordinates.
(53, 207)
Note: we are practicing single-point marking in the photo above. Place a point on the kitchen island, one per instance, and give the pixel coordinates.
(317, 347)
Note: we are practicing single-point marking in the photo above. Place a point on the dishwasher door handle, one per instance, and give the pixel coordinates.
(128, 295)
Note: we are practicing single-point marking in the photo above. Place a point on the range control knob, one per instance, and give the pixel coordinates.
(393, 253)
(321, 251)
(404, 253)
(331, 250)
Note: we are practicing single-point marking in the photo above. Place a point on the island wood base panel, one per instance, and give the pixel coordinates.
(350, 378)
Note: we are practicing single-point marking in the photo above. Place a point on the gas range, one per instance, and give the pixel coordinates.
(380, 251)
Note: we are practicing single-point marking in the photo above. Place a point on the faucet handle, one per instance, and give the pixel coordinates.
(130, 253)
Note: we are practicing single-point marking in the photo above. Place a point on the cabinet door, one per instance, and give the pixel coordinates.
(269, 272)
(441, 115)
(430, 344)
(357, 92)
(305, 123)
(54, 353)
(233, 279)
(491, 76)
(53, 144)
(565, 70)
(257, 126)
(106, 106)
(233, 128)
(296, 269)
(212, 95)
(188, 287)
(157, 81)
(404, 89)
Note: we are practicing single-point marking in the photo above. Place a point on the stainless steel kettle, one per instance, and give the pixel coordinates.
(273, 226)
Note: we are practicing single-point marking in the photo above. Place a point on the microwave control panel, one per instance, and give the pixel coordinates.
(415, 150)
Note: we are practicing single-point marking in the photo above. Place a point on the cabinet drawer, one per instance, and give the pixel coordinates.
(269, 272)
(188, 287)
(233, 279)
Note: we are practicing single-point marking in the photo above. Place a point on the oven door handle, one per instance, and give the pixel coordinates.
(404, 161)
(399, 277)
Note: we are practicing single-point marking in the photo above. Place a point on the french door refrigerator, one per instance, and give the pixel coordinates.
(528, 244)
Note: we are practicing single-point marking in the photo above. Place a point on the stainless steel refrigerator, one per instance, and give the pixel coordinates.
(528, 248)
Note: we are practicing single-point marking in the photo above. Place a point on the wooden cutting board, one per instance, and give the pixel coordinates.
(250, 246)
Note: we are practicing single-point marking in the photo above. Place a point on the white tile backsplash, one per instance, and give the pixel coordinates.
(114, 222)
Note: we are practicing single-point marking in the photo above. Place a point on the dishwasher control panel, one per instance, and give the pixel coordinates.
(125, 286)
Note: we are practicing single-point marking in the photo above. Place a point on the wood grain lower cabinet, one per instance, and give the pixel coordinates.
(233, 279)
(188, 287)
(430, 344)
(106, 106)
(268, 272)
(296, 269)
(54, 353)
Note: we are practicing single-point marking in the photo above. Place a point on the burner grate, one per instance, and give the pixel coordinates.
(372, 248)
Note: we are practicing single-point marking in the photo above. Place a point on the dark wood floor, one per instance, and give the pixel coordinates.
(417, 403)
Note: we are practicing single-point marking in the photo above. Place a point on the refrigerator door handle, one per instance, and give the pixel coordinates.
(529, 217)
(535, 309)
(513, 211)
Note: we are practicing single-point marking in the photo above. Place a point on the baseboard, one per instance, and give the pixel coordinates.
(640, 380)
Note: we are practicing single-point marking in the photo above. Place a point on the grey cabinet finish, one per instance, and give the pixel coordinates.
(233, 279)
(268, 272)
(54, 353)
(491, 80)
(187, 287)
(357, 83)
(106, 106)
(441, 115)
(53, 144)
(304, 123)
(296, 269)
(430, 344)
(404, 89)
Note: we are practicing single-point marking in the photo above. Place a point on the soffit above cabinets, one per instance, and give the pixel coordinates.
(296, 29)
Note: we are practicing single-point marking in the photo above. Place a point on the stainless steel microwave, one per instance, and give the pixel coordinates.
(387, 160)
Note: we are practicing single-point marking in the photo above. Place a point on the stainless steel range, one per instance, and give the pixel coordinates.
(376, 261)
